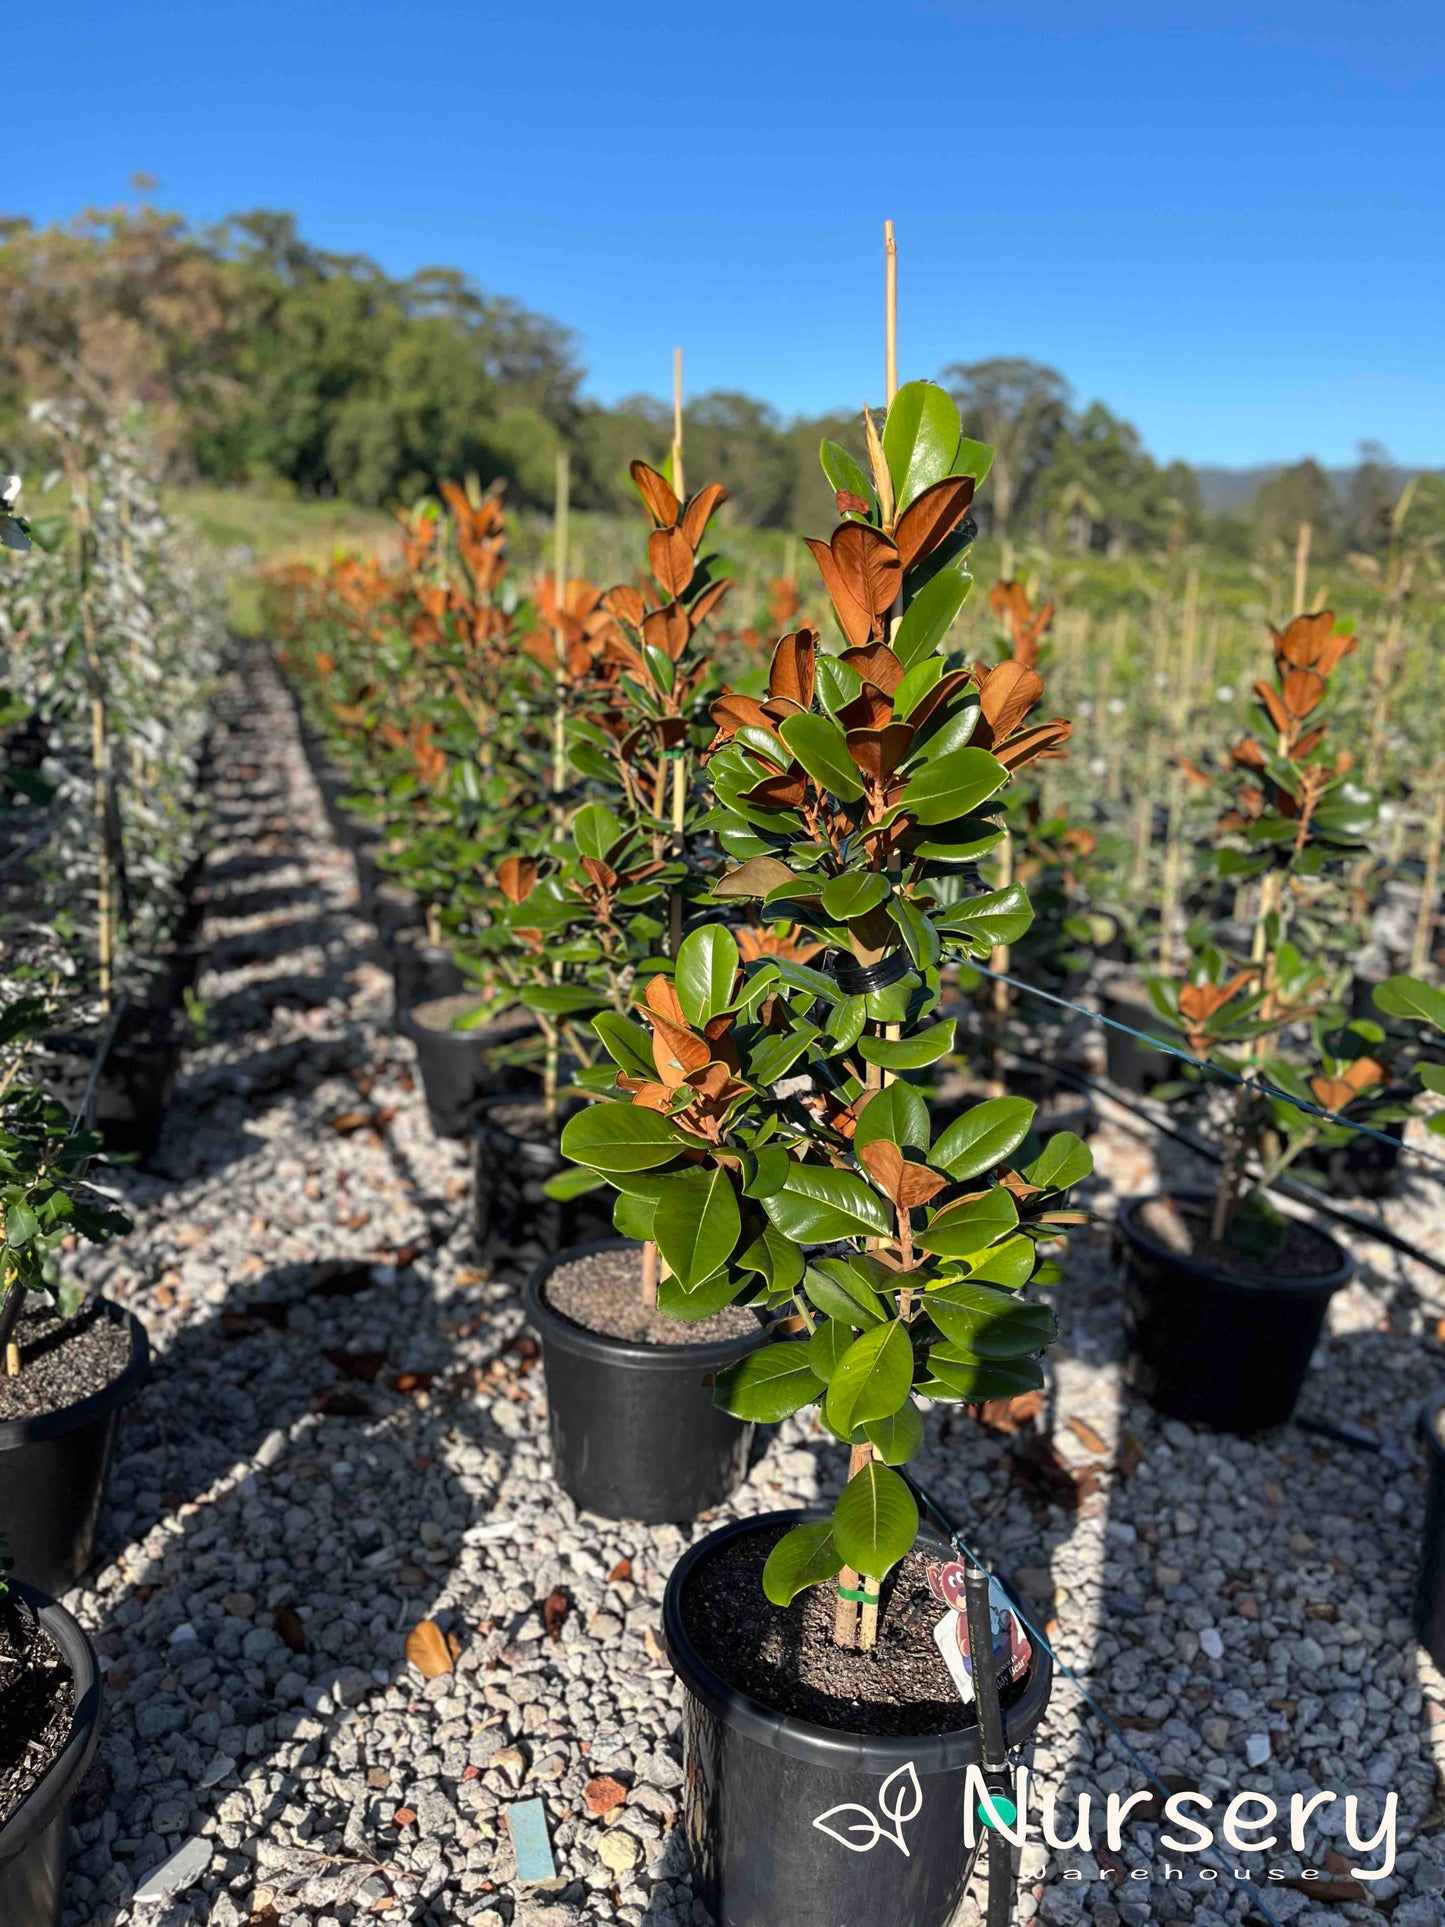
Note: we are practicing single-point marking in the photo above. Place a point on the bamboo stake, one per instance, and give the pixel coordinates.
(677, 482)
(1301, 567)
(1430, 888)
(850, 1628)
(1173, 841)
(559, 594)
(890, 310)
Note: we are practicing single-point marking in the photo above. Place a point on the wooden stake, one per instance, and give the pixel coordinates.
(850, 1627)
(677, 482)
(1173, 841)
(890, 311)
(1301, 567)
(1430, 887)
(651, 1270)
(562, 532)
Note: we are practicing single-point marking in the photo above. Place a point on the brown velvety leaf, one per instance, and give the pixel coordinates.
(1086, 1435)
(753, 879)
(601, 1795)
(869, 709)
(555, 1608)
(869, 564)
(783, 792)
(703, 605)
(1302, 691)
(291, 1629)
(848, 503)
(944, 690)
(626, 604)
(676, 1051)
(1011, 1414)
(517, 877)
(602, 874)
(667, 629)
(857, 623)
(1301, 641)
(1274, 707)
(1332, 1093)
(1364, 1072)
(875, 663)
(878, 752)
(794, 662)
(670, 558)
(620, 1572)
(918, 1185)
(657, 492)
(883, 1162)
(1038, 741)
(700, 511)
(429, 1650)
(662, 1000)
(731, 711)
(1006, 695)
(932, 516)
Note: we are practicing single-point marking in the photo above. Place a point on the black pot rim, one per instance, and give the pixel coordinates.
(484, 1036)
(16, 1432)
(544, 1151)
(50, 1796)
(829, 1746)
(1431, 1413)
(570, 1337)
(1129, 1228)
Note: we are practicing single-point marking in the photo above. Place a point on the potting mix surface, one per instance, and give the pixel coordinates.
(37, 1702)
(603, 1293)
(1306, 1253)
(345, 1440)
(62, 1361)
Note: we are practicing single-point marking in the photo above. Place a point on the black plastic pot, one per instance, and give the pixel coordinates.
(421, 971)
(133, 1091)
(1205, 1345)
(457, 1067)
(510, 1172)
(395, 908)
(1132, 1066)
(32, 1840)
(758, 1782)
(634, 1431)
(53, 1470)
(1430, 1585)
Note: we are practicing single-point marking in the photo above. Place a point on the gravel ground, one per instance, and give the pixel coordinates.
(345, 1436)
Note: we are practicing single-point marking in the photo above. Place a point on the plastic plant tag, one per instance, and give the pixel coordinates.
(1012, 1649)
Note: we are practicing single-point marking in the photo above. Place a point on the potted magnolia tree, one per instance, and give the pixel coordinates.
(764, 1134)
(1224, 1294)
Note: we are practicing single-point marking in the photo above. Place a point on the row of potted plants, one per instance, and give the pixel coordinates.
(112, 644)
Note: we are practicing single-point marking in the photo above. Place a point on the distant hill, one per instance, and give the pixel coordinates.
(1223, 489)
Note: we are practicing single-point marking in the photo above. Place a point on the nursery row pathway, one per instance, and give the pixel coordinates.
(344, 1437)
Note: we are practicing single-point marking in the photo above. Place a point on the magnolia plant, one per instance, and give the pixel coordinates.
(761, 1129)
(1295, 813)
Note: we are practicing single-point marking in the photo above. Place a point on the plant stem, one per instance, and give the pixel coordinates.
(998, 960)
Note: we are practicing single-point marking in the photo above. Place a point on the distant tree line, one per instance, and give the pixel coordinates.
(263, 360)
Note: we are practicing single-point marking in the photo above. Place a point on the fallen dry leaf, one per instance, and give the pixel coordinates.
(430, 1650)
(404, 1817)
(1130, 1458)
(620, 1572)
(555, 1608)
(408, 1383)
(653, 1645)
(1011, 1414)
(292, 1631)
(1086, 1435)
(603, 1794)
(345, 1122)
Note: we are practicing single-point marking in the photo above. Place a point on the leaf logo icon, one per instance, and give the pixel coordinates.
(900, 1799)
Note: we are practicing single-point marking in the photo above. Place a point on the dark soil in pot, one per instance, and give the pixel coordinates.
(1214, 1336)
(634, 1431)
(49, 1723)
(421, 972)
(1430, 1584)
(851, 1809)
(460, 1067)
(1133, 1065)
(57, 1428)
(514, 1158)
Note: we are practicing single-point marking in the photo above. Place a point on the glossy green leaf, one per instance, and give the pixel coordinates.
(896, 1438)
(896, 1113)
(626, 1043)
(830, 1340)
(963, 1229)
(818, 1203)
(994, 916)
(820, 746)
(768, 1384)
(910, 1053)
(929, 616)
(708, 1296)
(948, 787)
(1010, 1264)
(707, 963)
(1005, 1378)
(697, 1224)
(632, 1216)
(871, 1379)
(853, 894)
(875, 1521)
(595, 830)
(988, 1323)
(620, 1137)
(983, 1136)
(975, 459)
(1064, 1160)
(803, 1557)
(920, 439)
(776, 1052)
(840, 1288)
(1408, 997)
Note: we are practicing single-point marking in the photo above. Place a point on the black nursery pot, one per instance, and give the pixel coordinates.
(1211, 1347)
(1430, 1586)
(32, 1840)
(634, 1431)
(133, 1091)
(395, 908)
(420, 971)
(1132, 1066)
(456, 1065)
(758, 1781)
(510, 1171)
(53, 1471)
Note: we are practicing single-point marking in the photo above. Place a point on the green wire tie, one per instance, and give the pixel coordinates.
(863, 1598)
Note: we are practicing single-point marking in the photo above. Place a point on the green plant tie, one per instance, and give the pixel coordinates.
(862, 1598)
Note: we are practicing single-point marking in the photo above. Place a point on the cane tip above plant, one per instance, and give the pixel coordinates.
(756, 1131)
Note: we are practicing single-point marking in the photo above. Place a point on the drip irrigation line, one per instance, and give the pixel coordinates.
(1287, 1187)
(1259, 1084)
(960, 1544)
(83, 1118)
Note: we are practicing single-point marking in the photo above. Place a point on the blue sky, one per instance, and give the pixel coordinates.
(1227, 225)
